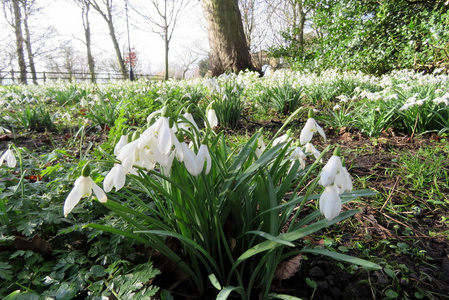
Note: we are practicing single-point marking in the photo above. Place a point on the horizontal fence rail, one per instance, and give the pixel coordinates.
(13, 77)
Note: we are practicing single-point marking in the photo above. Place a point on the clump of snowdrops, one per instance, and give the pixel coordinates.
(235, 210)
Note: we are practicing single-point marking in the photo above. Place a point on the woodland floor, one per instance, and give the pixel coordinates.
(370, 234)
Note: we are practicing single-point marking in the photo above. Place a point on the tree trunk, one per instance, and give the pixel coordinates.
(29, 50)
(118, 53)
(107, 16)
(86, 25)
(301, 22)
(19, 41)
(228, 47)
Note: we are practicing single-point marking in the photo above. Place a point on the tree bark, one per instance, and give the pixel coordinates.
(19, 41)
(87, 35)
(301, 22)
(228, 46)
(107, 16)
(28, 47)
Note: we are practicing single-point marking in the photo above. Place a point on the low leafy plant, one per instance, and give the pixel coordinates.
(228, 104)
(232, 212)
(284, 98)
(34, 118)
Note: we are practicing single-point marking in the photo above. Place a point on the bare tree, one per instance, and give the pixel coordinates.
(188, 56)
(85, 10)
(162, 17)
(291, 14)
(228, 45)
(13, 15)
(6, 58)
(29, 8)
(106, 9)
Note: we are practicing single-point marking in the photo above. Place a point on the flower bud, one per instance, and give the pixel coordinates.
(86, 170)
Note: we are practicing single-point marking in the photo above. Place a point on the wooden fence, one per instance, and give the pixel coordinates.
(13, 77)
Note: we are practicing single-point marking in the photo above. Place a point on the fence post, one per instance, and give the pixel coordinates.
(45, 77)
(12, 76)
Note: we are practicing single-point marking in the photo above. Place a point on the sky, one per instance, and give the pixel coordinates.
(66, 17)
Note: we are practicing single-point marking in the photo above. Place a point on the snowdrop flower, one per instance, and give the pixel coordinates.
(164, 135)
(330, 171)
(260, 146)
(298, 155)
(194, 163)
(406, 106)
(311, 149)
(281, 139)
(343, 181)
(420, 102)
(212, 118)
(204, 156)
(330, 202)
(151, 116)
(115, 178)
(3, 130)
(343, 98)
(392, 97)
(191, 121)
(336, 107)
(121, 143)
(191, 161)
(83, 188)
(9, 157)
(309, 129)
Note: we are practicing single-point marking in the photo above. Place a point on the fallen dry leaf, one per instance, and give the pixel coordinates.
(288, 268)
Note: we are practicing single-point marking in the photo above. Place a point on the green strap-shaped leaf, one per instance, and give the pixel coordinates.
(343, 257)
(224, 293)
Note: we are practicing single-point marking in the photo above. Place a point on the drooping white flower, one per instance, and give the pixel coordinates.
(212, 118)
(330, 202)
(9, 157)
(281, 139)
(297, 154)
(3, 130)
(343, 181)
(122, 142)
(115, 178)
(191, 120)
(309, 148)
(309, 129)
(194, 163)
(204, 156)
(330, 171)
(82, 188)
(260, 146)
(190, 161)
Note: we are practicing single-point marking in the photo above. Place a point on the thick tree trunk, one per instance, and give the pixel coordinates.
(19, 41)
(228, 47)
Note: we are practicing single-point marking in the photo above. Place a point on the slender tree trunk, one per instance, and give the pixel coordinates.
(86, 25)
(118, 53)
(19, 41)
(166, 44)
(29, 50)
(107, 16)
(228, 46)
(301, 22)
